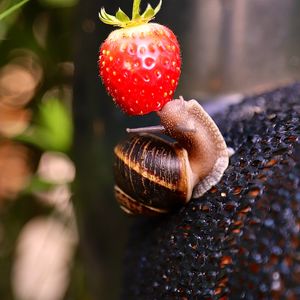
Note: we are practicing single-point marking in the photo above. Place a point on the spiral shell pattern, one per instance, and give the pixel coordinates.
(150, 175)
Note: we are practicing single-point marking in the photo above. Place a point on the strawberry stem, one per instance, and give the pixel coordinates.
(136, 9)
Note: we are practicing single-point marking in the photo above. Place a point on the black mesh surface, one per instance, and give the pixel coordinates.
(241, 240)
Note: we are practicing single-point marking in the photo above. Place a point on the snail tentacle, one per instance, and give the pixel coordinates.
(158, 129)
(148, 129)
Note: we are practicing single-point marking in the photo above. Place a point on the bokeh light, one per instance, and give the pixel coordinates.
(16, 168)
(19, 78)
(43, 257)
(38, 230)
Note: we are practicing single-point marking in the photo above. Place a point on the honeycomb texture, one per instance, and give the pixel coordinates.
(241, 240)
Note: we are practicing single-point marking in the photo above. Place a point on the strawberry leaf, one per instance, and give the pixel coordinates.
(149, 12)
(109, 19)
(121, 16)
(158, 7)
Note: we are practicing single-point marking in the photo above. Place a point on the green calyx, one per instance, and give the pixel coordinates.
(122, 20)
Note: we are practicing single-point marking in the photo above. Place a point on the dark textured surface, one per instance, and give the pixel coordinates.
(241, 239)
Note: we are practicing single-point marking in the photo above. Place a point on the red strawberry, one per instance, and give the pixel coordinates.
(140, 63)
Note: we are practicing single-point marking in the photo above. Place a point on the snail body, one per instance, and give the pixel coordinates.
(154, 176)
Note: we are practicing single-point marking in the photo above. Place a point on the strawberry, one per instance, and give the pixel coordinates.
(140, 63)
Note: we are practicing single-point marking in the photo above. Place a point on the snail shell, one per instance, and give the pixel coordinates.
(153, 172)
(154, 176)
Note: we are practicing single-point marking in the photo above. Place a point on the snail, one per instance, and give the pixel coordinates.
(154, 176)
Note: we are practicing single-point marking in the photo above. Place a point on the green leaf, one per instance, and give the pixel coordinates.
(53, 129)
(12, 9)
(158, 7)
(107, 16)
(121, 16)
(109, 19)
(149, 12)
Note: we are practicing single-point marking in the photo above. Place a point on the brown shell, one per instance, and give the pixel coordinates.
(150, 175)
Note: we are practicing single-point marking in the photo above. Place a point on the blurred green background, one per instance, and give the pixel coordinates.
(39, 257)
